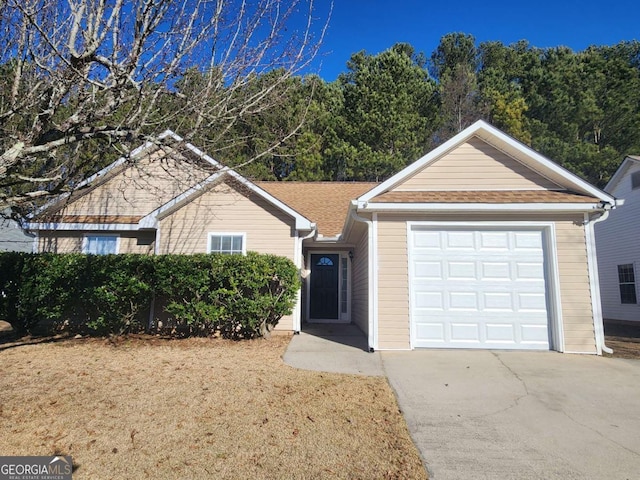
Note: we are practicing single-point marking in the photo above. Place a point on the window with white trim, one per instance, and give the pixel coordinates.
(635, 180)
(627, 282)
(101, 244)
(228, 243)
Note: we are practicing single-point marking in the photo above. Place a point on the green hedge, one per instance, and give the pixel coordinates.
(237, 296)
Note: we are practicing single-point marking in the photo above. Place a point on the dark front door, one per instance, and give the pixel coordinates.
(324, 287)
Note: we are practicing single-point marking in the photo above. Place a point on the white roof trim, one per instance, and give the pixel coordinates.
(486, 132)
(478, 207)
(82, 226)
(621, 171)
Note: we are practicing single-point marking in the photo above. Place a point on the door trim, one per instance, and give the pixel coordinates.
(343, 256)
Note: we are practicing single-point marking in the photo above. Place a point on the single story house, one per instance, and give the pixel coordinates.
(618, 242)
(481, 243)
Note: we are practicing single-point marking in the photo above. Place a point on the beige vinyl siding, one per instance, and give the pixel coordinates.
(575, 292)
(223, 209)
(476, 165)
(60, 242)
(71, 242)
(393, 284)
(360, 281)
(139, 189)
(393, 277)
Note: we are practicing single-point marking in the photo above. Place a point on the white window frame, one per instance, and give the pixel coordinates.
(228, 234)
(85, 242)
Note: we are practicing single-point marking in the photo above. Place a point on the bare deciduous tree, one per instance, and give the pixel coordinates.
(76, 75)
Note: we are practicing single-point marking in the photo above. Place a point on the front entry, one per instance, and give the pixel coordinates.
(325, 269)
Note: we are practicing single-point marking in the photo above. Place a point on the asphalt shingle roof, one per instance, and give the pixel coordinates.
(325, 203)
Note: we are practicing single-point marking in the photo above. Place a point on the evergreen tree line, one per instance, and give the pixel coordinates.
(581, 109)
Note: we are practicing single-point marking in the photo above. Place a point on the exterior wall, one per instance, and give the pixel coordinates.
(360, 281)
(224, 209)
(139, 189)
(476, 165)
(13, 238)
(71, 242)
(618, 243)
(393, 277)
(60, 242)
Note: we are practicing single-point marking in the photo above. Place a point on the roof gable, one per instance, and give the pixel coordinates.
(168, 144)
(630, 164)
(545, 172)
(475, 165)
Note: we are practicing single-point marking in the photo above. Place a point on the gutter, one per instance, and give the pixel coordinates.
(596, 302)
(371, 304)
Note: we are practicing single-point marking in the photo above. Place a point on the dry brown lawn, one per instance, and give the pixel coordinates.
(623, 339)
(197, 408)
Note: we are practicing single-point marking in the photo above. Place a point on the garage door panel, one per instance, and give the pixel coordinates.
(500, 333)
(534, 334)
(460, 240)
(498, 301)
(465, 301)
(427, 240)
(527, 241)
(494, 240)
(428, 270)
(465, 332)
(495, 271)
(434, 332)
(532, 302)
(479, 289)
(429, 301)
(530, 271)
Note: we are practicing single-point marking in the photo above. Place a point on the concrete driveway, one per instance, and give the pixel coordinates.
(520, 415)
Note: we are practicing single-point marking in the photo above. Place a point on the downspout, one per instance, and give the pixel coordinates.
(152, 308)
(299, 261)
(370, 276)
(598, 321)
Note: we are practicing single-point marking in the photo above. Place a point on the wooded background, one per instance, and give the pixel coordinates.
(82, 82)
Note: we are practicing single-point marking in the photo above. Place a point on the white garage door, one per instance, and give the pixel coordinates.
(478, 289)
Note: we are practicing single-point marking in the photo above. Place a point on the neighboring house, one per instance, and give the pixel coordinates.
(12, 237)
(618, 242)
(482, 243)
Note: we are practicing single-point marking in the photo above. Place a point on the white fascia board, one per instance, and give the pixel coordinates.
(83, 226)
(478, 207)
(488, 132)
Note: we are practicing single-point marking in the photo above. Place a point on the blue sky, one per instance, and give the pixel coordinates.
(375, 25)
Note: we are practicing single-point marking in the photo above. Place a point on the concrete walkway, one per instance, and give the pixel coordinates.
(500, 414)
(335, 348)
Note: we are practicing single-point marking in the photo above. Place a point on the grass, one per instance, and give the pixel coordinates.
(623, 339)
(146, 407)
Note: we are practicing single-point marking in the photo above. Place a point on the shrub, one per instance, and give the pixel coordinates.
(237, 296)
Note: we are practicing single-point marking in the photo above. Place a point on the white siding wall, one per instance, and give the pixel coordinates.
(618, 243)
